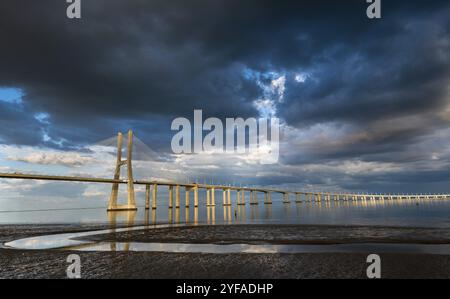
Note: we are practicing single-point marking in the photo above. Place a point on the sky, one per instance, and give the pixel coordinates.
(364, 103)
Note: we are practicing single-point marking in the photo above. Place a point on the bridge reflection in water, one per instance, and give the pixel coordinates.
(190, 216)
(293, 212)
(235, 214)
(229, 215)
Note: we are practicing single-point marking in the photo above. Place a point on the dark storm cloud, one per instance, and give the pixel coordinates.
(403, 182)
(123, 59)
(384, 77)
(134, 59)
(140, 63)
(396, 70)
(16, 118)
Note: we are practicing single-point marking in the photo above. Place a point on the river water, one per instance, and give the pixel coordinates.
(411, 213)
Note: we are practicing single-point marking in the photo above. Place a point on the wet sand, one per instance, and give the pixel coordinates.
(281, 234)
(52, 263)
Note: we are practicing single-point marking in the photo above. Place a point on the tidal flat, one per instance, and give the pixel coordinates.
(15, 263)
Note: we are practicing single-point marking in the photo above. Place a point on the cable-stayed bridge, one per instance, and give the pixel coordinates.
(174, 188)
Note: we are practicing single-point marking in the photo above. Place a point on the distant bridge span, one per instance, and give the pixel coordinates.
(174, 187)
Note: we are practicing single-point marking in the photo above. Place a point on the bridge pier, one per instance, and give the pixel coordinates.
(177, 196)
(196, 197)
(226, 197)
(255, 198)
(318, 197)
(155, 194)
(242, 202)
(252, 200)
(267, 198)
(147, 197)
(213, 197)
(131, 203)
(187, 193)
(286, 197)
(170, 197)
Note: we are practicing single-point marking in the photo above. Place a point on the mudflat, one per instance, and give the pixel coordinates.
(52, 263)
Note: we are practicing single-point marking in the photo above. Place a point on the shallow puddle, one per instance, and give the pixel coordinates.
(67, 241)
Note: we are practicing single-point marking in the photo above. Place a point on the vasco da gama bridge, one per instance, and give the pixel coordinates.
(174, 189)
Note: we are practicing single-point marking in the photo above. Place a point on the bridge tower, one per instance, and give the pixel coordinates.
(131, 204)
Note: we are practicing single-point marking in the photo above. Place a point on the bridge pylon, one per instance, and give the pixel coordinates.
(131, 204)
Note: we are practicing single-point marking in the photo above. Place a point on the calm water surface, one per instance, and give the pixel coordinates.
(424, 213)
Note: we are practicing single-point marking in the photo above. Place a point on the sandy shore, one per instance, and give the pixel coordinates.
(52, 263)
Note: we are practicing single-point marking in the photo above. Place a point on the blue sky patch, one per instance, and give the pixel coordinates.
(11, 95)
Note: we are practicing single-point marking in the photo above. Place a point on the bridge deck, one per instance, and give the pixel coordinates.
(205, 186)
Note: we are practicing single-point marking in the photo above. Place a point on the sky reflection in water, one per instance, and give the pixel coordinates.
(425, 213)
